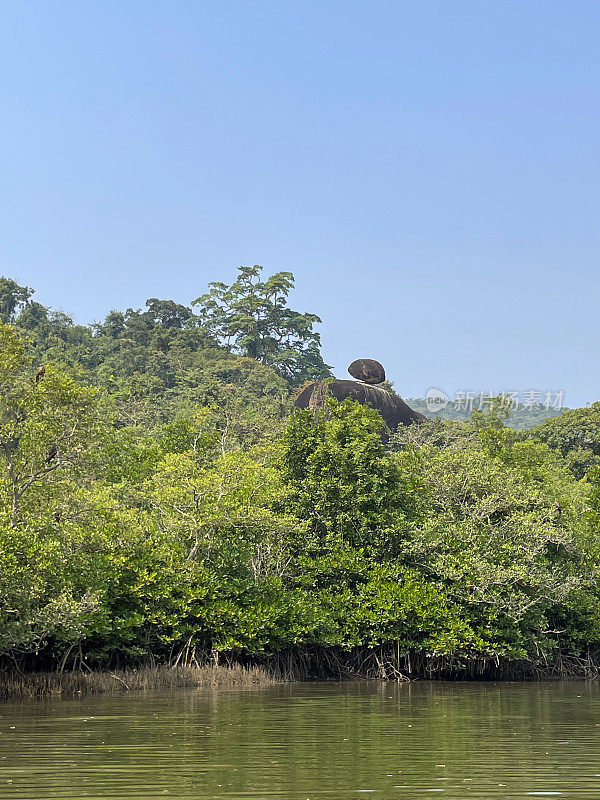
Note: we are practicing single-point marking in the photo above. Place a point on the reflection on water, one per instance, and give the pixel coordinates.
(310, 742)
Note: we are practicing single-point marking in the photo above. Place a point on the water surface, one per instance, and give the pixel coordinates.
(309, 742)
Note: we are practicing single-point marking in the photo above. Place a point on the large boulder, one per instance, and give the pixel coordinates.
(367, 370)
(392, 408)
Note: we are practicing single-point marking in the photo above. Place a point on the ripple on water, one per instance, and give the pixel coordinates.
(308, 741)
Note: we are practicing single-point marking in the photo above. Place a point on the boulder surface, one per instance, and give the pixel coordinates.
(392, 408)
(367, 370)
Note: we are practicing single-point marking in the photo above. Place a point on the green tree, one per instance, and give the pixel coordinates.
(48, 422)
(252, 317)
(498, 526)
(339, 479)
(576, 434)
(12, 298)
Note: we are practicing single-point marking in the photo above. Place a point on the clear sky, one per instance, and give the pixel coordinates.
(429, 171)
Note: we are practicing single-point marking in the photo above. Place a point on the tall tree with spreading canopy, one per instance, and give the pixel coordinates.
(252, 317)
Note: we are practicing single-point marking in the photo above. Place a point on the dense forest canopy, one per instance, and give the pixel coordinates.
(160, 500)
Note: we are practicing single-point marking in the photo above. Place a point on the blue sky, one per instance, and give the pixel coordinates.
(429, 171)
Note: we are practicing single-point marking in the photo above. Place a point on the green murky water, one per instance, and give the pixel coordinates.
(317, 741)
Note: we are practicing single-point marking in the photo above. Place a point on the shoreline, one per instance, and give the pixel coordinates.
(384, 663)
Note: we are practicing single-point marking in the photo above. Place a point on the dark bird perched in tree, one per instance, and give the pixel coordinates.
(12, 444)
(52, 453)
(40, 373)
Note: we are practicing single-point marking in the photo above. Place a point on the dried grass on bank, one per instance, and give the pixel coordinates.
(15, 686)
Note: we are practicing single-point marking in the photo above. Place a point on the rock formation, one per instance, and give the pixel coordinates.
(367, 370)
(392, 408)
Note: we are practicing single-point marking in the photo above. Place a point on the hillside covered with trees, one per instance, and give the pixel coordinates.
(161, 502)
